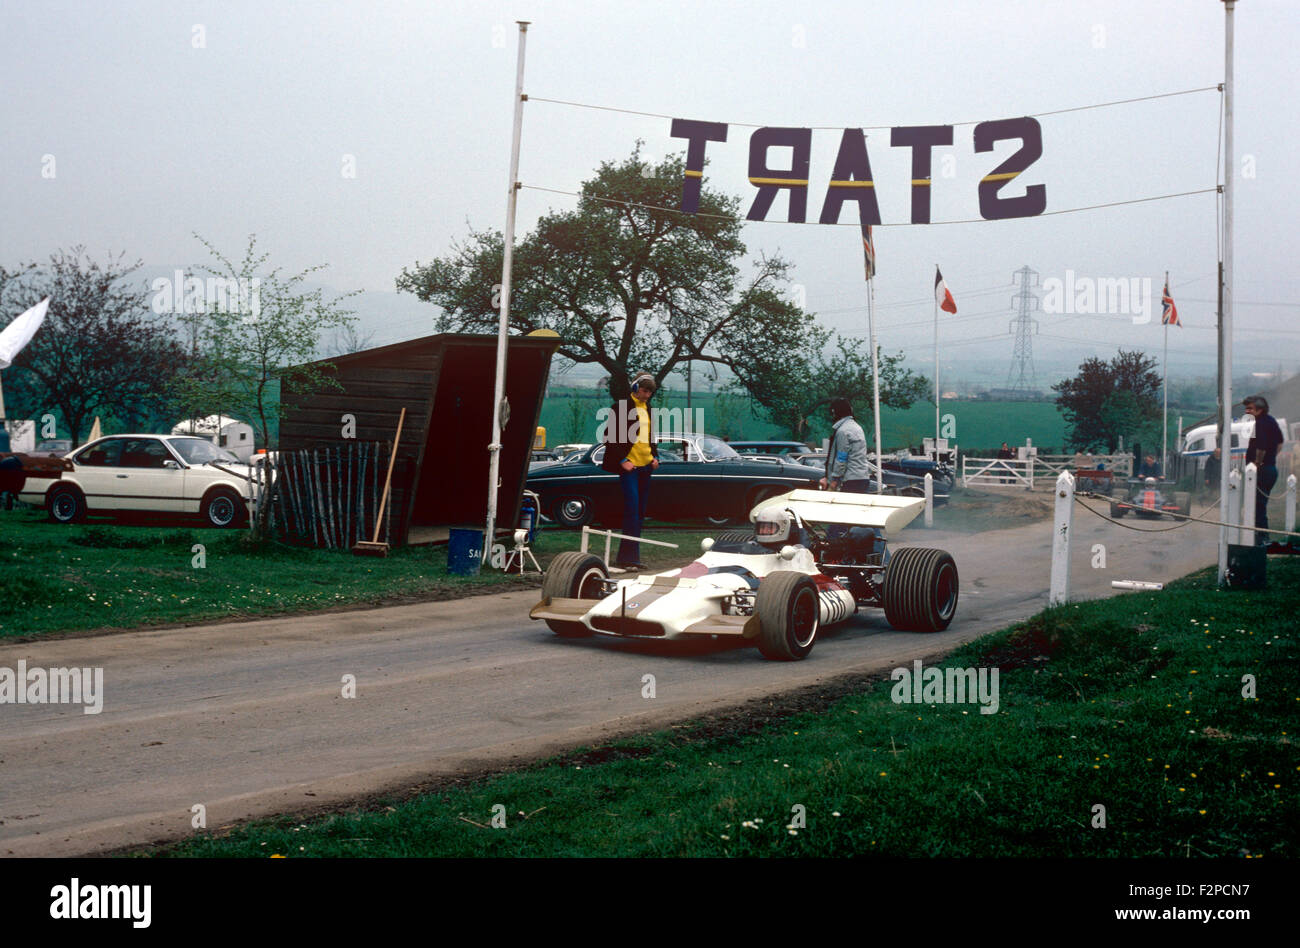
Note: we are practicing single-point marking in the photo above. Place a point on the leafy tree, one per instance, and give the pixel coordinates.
(246, 352)
(631, 285)
(100, 351)
(1107, 400)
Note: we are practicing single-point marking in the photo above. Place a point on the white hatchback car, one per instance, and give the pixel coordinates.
(145, 472)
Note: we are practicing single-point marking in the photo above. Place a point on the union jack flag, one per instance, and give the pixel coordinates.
(1168, 311)
(869, 251)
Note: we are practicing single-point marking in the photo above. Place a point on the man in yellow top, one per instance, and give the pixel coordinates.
(631, 453)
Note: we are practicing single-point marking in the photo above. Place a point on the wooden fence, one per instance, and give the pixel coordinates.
(328, 496)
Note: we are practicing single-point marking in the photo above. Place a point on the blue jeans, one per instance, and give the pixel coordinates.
(636, 491)
(1265, 478)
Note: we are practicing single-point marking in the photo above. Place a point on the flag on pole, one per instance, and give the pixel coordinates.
(869, 252)
(942, 295)
(19, 332)
(1168, 311)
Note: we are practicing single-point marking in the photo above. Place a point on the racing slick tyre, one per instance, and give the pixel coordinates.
(223, 508)
(1116, 511)
(65, 504)
(789, 614)
(1184, 501)
(571, 511)
(573, 575)
(920, 589)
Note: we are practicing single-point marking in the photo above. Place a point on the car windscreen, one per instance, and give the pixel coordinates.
(198, 451)
(715, 449)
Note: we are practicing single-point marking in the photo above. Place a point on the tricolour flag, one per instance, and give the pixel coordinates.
(869, 252)
(1168, 311)
(19, 332)
(942, 295)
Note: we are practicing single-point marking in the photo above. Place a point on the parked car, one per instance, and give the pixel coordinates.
(56, 448)
(777, 449)
(147, 473)
(700, 477)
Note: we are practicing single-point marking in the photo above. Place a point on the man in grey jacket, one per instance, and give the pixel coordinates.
(846, 458)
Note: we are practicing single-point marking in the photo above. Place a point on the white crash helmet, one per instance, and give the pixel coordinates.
(1150, 482)
(772, 526)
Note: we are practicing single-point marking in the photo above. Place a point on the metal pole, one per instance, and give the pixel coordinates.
(1225, 332)
(875, 383)
(1164, 432)
(498, 395)
(936, 371)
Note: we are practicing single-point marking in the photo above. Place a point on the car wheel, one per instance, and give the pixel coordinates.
(1116, 511)
(789, 614)
(66, 504)
(573, 575)
(571, 511)
(921, 589)
(223, 508)
(733, 536)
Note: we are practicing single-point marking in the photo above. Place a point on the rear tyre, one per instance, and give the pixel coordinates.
(921, 587)
(1116, 511)
(573, 575)
(733, 536)
(789, 614)
(65, 504)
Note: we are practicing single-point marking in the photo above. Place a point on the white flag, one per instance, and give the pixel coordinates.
(18, 333)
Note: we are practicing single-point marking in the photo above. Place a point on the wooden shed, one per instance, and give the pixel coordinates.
(445, 383)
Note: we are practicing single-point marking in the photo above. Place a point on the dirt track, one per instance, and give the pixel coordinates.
(248, 718)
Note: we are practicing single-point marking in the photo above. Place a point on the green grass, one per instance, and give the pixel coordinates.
(111, 575)
(1133, 703)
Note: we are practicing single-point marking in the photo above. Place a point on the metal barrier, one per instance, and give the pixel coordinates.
(609, 539)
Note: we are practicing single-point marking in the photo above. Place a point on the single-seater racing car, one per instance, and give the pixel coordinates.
(777, 586)
(1152, 499)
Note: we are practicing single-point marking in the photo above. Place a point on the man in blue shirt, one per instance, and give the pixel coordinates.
(1262, 452)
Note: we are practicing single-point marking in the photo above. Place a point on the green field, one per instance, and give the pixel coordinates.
(569, 415)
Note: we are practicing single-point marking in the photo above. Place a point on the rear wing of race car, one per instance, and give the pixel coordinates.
(889, 514)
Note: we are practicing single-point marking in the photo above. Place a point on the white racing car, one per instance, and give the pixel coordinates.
(777, 586)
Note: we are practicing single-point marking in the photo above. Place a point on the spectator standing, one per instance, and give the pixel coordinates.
(1262, 452)
(632, 454)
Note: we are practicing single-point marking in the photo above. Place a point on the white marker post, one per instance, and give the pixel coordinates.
(1062, 525)
(929, 500)
(1232, 515)
(1290, 507)
(1249, 498)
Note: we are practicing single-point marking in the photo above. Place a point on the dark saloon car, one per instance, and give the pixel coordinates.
(778, 449)
(699, 477)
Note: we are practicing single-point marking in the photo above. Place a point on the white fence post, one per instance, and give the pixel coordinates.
(1249, 498)
(1290, 507)
(929, 499)
(1062, 525)
(1232, 516)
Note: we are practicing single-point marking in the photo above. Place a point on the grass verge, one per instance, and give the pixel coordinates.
(1137, 704)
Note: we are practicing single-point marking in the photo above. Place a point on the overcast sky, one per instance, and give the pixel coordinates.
(230, 118)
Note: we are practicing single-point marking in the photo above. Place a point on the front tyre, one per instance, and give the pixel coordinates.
(573, 575)
(223, 508)
(920, 589)
(789, 615)
(65, 504)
